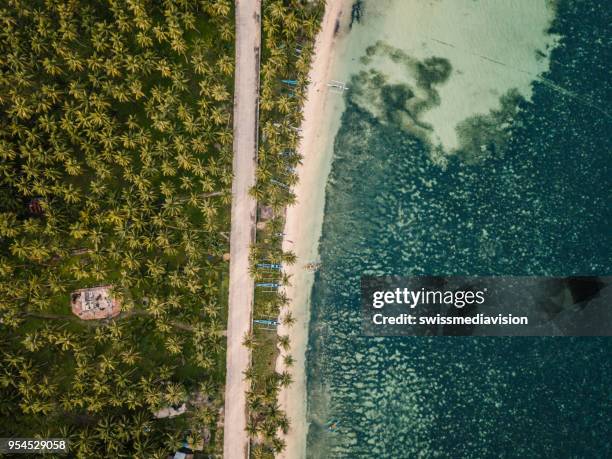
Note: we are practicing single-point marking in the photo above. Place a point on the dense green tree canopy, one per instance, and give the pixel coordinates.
(115, 168)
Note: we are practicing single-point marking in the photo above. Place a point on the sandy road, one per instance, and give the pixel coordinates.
(244, 212)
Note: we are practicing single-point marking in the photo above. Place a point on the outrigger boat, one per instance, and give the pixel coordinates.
(332, 425)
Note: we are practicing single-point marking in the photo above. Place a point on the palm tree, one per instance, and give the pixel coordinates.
(283, 424)
(250, 373)
(278, 444)
(284, 105)
(252, 429)
(285, 379)
(226, 65)
(226, 32)
(288, 319)
(289, 258)
(175, 394)
(283, 342)
(220, 8)
(276, 11)
(288, 360)
(248, 340)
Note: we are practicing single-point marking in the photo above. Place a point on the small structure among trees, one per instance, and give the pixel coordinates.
(265, 213)
(171, 411)
(94, 303)
(35, 207)
(183, 453)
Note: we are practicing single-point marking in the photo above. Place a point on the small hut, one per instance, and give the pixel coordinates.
(35, 207)
(184, 452)
(171, 411)
(265, 213)
(94, 303)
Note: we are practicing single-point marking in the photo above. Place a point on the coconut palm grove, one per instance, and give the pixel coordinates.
(115, 194)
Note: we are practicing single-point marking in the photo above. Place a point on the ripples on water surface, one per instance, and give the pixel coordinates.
(531, 197)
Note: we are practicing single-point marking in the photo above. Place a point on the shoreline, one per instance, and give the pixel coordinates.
(305, 219)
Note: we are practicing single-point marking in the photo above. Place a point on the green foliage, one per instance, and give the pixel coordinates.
(115, 168)
(289, 32)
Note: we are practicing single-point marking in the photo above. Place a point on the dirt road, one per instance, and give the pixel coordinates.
(244, 210)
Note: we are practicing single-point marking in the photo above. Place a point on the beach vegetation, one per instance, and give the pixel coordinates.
(289, 30)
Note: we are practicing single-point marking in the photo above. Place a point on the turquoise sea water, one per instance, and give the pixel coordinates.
(538, 202)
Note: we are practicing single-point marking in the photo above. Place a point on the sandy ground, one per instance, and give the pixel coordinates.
(305, 219)
(244, 212)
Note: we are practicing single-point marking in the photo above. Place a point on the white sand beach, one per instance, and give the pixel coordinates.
(322, 112)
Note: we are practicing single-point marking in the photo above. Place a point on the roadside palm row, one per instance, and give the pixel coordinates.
(289, 30)
(115, 169)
